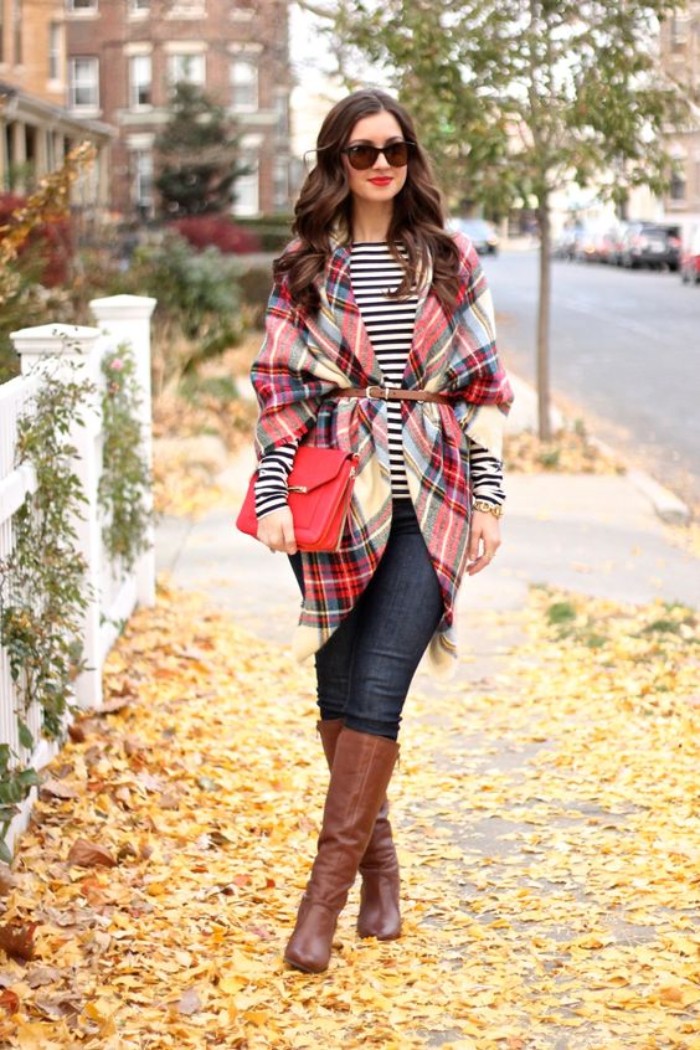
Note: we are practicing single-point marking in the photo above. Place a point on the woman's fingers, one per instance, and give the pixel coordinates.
(484, 541)
(476, 566)
(276, 531)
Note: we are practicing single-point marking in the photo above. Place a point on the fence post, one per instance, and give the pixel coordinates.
(79, 347)
(127, 319)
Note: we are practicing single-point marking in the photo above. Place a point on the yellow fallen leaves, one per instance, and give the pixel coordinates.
(547, 823)
(570, 451)
(686, 536)
(184, 489)
(195, 426)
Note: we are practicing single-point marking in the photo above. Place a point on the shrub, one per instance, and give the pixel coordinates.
(32, 277)
(48, 250)
(256, 284)
(274, 231)
(198, 314)
(216, 231)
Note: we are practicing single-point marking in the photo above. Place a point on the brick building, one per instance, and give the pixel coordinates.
(32, 48)
(36, 130)
(125, 55)
(680, 57)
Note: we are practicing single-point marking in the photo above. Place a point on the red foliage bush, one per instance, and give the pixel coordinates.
(216, 231)
(52, 241)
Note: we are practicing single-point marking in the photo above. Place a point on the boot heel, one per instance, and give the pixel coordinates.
(309, 947)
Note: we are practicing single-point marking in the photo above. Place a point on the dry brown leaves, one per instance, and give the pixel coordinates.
(570, 451)
(187, 483)
(187, 488)
(547, 826)
(687, 537)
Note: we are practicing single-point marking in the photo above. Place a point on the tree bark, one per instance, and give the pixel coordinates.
(543, 312)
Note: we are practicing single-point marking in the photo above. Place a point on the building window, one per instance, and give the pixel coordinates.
(186, 9)
(282, 111)
(139, 7)
(140, 81)
(242, 10)
(247, 188)
(677, 186)
(82, 5)
(244, 85)
(55, 40)
(188, 68)
(679, 32)
(84, 83)
(281, 184)
(142, 176)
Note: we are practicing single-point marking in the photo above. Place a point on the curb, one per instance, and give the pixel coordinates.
(667, 506)
(671, 509)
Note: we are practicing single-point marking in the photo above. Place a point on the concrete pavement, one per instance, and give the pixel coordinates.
(597, 535)
(600, 535)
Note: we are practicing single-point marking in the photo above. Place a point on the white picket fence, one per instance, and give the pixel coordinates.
(113, 594)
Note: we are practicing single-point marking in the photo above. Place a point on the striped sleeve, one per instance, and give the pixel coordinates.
(271, 484)
(486, 472)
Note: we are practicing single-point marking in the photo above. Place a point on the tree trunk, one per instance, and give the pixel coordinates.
(543, 311)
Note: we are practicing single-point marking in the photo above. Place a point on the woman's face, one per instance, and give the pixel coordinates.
(381, 182)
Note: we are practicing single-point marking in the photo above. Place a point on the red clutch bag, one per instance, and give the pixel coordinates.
(320, 489)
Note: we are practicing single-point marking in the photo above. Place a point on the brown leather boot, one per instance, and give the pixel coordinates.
(362, 768)
(380, 914)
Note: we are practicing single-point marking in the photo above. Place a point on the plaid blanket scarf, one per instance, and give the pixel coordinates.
(304, 357)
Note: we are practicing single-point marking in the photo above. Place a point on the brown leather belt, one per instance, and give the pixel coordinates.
(391, 393)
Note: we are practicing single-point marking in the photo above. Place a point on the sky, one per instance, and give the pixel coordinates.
(312, 66)
(315, 91)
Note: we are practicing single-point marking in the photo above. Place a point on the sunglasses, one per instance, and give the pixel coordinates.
(362, 157)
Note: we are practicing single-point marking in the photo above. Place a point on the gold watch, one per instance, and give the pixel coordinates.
(489, 508)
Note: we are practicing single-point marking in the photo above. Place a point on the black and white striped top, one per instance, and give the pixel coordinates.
(389, 323)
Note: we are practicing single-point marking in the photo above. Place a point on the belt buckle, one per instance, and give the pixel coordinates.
(377, 393)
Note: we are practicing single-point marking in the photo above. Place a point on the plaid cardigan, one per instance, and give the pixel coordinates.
(305, 356)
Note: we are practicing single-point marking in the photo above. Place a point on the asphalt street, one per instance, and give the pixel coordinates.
(625, 349)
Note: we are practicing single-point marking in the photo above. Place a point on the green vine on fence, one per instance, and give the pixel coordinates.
(125, 481)
(43, 593)
(43, 586)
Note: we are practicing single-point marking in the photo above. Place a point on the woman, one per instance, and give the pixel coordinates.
(380, 340)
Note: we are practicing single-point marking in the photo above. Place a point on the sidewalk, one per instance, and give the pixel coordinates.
(530, 806)
(544, 807)
(600, 535)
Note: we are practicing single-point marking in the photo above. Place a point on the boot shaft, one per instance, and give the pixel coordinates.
(362, 768)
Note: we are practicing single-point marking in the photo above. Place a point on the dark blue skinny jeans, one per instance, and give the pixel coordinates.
(365, 669)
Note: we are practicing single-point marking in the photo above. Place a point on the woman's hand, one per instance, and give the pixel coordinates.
(276, 531)
(484, 541)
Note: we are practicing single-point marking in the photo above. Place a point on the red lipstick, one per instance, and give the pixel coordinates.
(381, 180)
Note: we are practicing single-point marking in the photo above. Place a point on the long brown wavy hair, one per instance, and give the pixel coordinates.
(325, 206)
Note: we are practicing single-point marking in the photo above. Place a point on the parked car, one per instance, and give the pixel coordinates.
(481, 233)
(690, 258)
(590, 243)
(585, 246)
(652, 244)
(566, 243)
(614, 241)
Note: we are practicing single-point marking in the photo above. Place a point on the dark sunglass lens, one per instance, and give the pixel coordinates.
(362, 157)
(397, 154)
